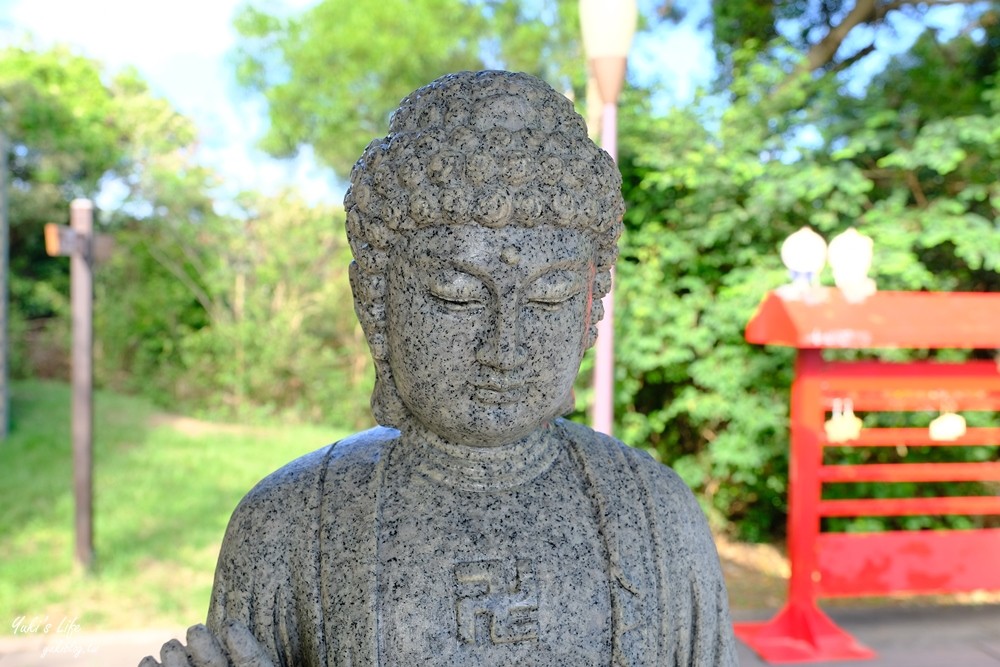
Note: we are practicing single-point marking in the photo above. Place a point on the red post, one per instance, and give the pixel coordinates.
(801, 631)
(804, 486)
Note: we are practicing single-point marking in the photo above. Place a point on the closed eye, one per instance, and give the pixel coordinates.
(456, 290)
(552, 302)
(457, 303)
(555, 288)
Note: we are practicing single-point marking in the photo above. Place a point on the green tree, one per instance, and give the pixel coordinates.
(59, 120)
(242, 312)
(831, 35)
(788, 136)
(248, 314)
(331, 75)
(74, 130)
(714, 188)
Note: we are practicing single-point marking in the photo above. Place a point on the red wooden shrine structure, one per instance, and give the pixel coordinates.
(827, 564)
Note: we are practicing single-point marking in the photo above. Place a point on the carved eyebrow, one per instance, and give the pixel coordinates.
(445, 265)
(568, 264)
(435, 262)
(556, 284)
(456, 283)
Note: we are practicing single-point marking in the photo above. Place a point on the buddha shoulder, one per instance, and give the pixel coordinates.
(665, 488)
(293, 493)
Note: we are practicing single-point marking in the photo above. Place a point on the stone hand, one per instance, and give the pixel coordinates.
(235, 647)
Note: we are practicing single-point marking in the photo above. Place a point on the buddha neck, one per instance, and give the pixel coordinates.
(470, 468)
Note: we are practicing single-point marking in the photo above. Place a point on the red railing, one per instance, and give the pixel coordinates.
(831, 564)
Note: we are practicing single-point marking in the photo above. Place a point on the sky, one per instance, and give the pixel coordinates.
(180, 47)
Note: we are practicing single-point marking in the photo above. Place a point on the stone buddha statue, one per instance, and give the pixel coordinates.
(474, 526)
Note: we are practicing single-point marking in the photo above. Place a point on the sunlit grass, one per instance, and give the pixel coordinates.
(164, 488)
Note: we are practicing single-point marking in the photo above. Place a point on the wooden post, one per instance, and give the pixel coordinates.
(81, 220)
(76, 242)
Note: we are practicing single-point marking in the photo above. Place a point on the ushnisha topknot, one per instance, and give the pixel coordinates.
(491, 148)
(494, 148)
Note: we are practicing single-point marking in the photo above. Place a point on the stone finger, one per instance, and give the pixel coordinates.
(149, 661)
(173, 655)
(244, 649)
(204, 648)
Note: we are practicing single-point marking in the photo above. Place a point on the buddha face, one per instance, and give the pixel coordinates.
(486, 327)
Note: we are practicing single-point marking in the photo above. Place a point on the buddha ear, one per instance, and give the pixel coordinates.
(387, 406)
(375, 335)
(602, 284)
(369, 305)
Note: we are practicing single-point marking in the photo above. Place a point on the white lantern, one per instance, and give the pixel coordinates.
(804, 254)
(843, 425)
(850, 256)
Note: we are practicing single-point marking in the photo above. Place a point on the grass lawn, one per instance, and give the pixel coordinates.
(164, 488)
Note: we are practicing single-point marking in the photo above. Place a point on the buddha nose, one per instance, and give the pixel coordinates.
(503, 348)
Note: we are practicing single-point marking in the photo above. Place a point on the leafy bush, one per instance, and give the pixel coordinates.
(713, 189)
(246, 315)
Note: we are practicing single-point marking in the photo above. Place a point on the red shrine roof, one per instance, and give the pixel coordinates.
(885, 319)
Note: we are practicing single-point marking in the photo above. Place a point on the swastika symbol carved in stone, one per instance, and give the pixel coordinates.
(497, 601)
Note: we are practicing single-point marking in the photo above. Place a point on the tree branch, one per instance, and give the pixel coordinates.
(864, 11)
(882, 172)
(897, 4)
(918, 193)
(844, 64)
(823, 51)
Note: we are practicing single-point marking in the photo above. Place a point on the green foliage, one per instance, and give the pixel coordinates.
(242, 315)
(331, 75)
(735, 23)
(712, 191)
(246, 313)
(58, 118)
(71, 129)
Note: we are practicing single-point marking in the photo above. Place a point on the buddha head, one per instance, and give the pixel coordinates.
(483, 228)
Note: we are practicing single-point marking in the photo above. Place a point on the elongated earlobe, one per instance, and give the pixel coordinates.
(387, 406)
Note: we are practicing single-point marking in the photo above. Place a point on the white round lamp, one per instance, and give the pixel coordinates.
(804, 254)
(850, 256)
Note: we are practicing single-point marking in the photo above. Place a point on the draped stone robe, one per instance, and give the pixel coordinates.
(328, 562)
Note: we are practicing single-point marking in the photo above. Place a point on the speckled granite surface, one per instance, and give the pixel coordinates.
(475, 527)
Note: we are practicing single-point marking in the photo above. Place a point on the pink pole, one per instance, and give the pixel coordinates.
(604, 361)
